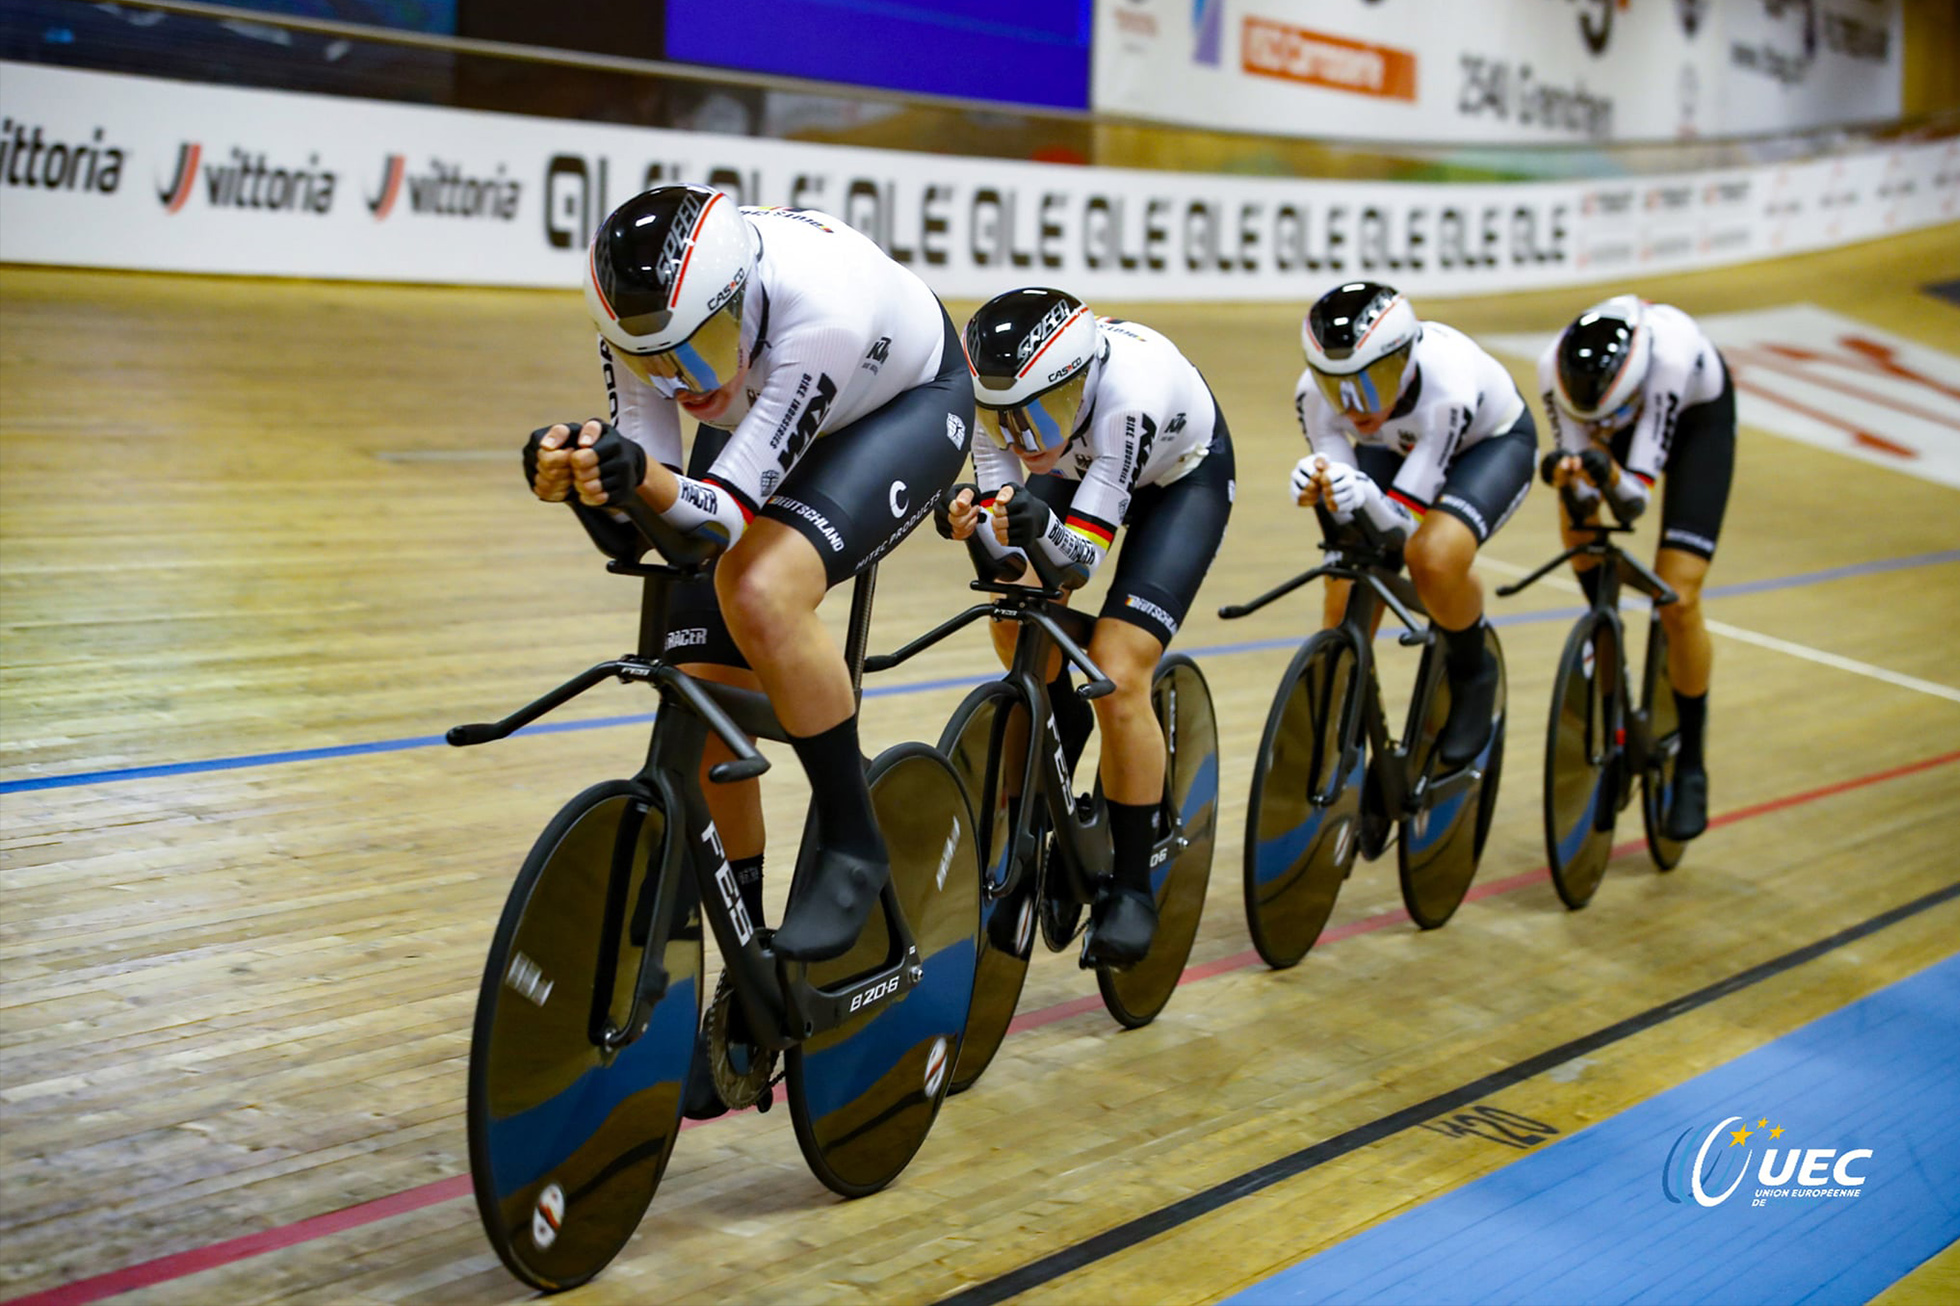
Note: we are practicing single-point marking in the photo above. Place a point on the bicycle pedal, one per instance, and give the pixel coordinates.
(766, 1100)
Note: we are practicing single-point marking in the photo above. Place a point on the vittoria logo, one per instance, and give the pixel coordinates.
(247, 181)
(444, 190)
(26, 159)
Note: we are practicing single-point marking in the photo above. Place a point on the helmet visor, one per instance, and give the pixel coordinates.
(1374, 389)
(704, 362)
(1043, 423)
(1608, 424)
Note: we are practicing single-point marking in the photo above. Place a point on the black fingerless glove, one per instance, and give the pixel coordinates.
(1548, 465)
(622, 463)
(942, 514)
(1027, 519)
(1598, 466)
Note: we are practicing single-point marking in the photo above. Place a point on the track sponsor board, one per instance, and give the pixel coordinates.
(1520, 71)
(103, 170)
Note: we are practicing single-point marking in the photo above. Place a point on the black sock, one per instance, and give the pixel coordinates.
(1132, 829)
(748, 879)
(1693, 714)
(1073, 716)
(1465, 650)
(1589, 582)
(843, 801)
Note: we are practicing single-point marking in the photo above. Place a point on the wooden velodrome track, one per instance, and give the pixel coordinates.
(244, 520)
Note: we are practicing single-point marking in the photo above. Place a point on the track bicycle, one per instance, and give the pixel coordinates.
(1597, 741)
(1329, 782)
(1043, 856)
(592, 993)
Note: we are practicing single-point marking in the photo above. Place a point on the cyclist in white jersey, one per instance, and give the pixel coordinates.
(1112, 427)
(1633, 390)
(1416, 427)
(835, 407)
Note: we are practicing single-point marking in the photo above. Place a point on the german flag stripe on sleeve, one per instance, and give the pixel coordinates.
(1645, 479)
(741, 500)
(1089, 528)
(1419, 509)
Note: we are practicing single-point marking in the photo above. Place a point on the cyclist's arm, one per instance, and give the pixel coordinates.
(639, 411)
(797, 398)
(993, 468)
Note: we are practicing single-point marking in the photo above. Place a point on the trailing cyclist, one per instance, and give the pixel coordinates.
(1633, 389)
(1415, 427)
(1111, 427)
(834, 407)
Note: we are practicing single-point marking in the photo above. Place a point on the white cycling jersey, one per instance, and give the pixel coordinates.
(834, 330)
(1146, 419)
(1684, 370)
(1456, 396)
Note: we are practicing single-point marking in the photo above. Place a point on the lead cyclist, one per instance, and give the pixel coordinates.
(834, 408)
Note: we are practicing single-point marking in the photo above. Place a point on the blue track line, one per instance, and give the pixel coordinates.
(247, 760)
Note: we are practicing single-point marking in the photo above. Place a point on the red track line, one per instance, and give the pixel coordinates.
(179, 1265)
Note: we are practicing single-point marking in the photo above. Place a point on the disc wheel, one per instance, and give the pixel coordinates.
(1182, 701)
(864, 1095)
(1664, 725)
(1300, 843)
(1437, 848)
(975, 742)
(568, 1142)
(1581, 804)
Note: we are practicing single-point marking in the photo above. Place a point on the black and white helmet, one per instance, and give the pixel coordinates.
(1030, 351)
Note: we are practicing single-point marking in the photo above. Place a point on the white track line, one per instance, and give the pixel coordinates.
(1771, 642)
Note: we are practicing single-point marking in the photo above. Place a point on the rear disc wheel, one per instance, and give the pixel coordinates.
(864, 1094)
(1437, 848)
(1182, 702)
(1664, 728)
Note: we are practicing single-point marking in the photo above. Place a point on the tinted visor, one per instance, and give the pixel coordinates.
(704, 362)
(1371, 390)
(1043, 423)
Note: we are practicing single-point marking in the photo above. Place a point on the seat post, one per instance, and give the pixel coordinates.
(655, 593)
(859, 635)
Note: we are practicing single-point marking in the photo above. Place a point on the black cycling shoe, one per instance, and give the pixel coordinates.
(1687, 810)
(700, 1100)
(831, 905)
(1121, 926)
(1469, 725)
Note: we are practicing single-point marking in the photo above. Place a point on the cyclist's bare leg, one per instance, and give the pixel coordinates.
(1439, 556)
(1690, 660)
(1570, 534)
(1690, 654)
(770, 584)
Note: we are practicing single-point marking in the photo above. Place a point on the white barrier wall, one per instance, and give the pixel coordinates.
(99, 170)
(1519, 71)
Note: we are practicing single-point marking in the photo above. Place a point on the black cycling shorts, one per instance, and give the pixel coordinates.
(1700, 465)
(859, 491)
(1170, 535)
(1484, 484)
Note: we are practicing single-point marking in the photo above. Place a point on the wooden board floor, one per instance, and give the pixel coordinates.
(243, 519)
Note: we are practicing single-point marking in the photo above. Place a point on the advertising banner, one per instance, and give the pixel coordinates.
(1506, 71)
(98, 170)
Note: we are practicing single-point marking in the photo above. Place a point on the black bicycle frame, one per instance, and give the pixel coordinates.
(1084, 852)
(1378, 583)
(781, 1005)
(1613, 565)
